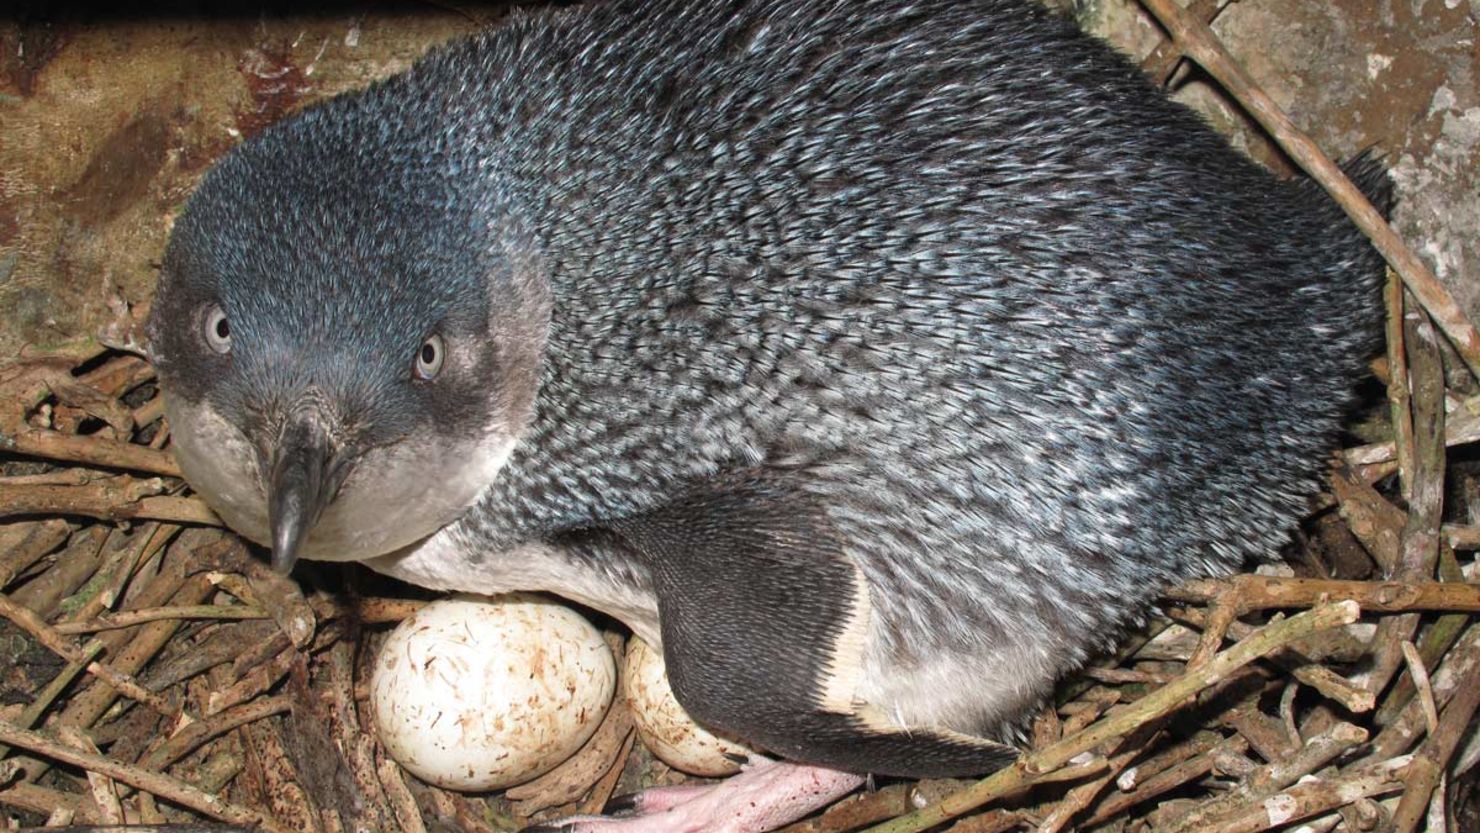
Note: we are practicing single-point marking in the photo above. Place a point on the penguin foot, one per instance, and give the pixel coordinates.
(759, 799)
(655, 800)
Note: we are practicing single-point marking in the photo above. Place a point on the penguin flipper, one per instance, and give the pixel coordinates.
(764, 621)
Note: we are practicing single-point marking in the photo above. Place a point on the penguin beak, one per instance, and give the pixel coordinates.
(305, 475)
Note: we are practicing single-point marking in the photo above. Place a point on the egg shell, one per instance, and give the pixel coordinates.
(481, 693)
(665, 727)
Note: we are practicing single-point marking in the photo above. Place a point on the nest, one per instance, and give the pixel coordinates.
(158, 674)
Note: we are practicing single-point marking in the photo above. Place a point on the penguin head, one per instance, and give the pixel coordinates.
(349, 331)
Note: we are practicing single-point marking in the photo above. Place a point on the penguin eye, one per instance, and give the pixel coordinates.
(217, 330)
(429, 359)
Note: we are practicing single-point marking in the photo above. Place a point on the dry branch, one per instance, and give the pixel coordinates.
(1255, 592)
(1313, 798)
(1160, 702)
(120, 498)
(128, 619)
(161, 785)
(92, 451)
(56, 643)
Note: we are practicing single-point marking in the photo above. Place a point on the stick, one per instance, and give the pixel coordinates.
(120, 498)
(1266, 780)
(1420, 538)
(1192, 768)
(1163, 701)
(44, 698)
(164, 786)
(129, 618)
(104, 790)
(1397, 386)
(1313, 798)
(1461, 428)
(54, 642)
(39, 539)
(195, 735)
(1261, 592)
(93, 451)
(1432, 758)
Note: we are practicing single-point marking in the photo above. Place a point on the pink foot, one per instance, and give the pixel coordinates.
(761, 798)
(655, 800)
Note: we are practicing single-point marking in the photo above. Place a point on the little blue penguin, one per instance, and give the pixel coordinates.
(877, 359)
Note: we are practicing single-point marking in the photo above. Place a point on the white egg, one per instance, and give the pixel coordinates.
(480, 693)
(665, 728)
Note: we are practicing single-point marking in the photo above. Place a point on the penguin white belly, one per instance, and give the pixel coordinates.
(444, 562)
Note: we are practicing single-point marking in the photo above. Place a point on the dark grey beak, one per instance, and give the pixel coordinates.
(304, 477)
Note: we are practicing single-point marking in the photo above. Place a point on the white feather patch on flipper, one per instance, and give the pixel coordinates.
(845, 667)
(443, 562)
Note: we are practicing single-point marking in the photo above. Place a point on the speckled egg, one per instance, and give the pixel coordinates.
(480, 693)
(663, 725)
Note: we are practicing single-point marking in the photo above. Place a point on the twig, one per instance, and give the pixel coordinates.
(1420, 538)
(38, 539)
(408, 815)
(602, 791)
(1221, 614)
(251, 580)
(370, 611)
(67, 571)
(1256, 592)
(118, 376)
(1194, 766)
(1312, 798)
(1163, 60)
(42, 800)
(139, 828)
(121, 558)
(1398, 386)
(154, 543)
(131, 651)
(1287, 714)
(276, 780)
(104, 790)
(252, 684)
(1199, 44)
(1371, 518)
(1461, 428)
(1428, 765)
(130, 618)
(120, 498)
(224, 644)
(1160, 702)
(194, 735)
(147, 413)
(1437, 641)
(1262, 782)
(1421, 681)
(992, 821)
(1460, 663)
(857, 810)
(1080, 796)
(44, 698)
(159, 784)
(58, 645)
(92, 451)
(358, 747)
(1264, 733)
(1462, 536)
